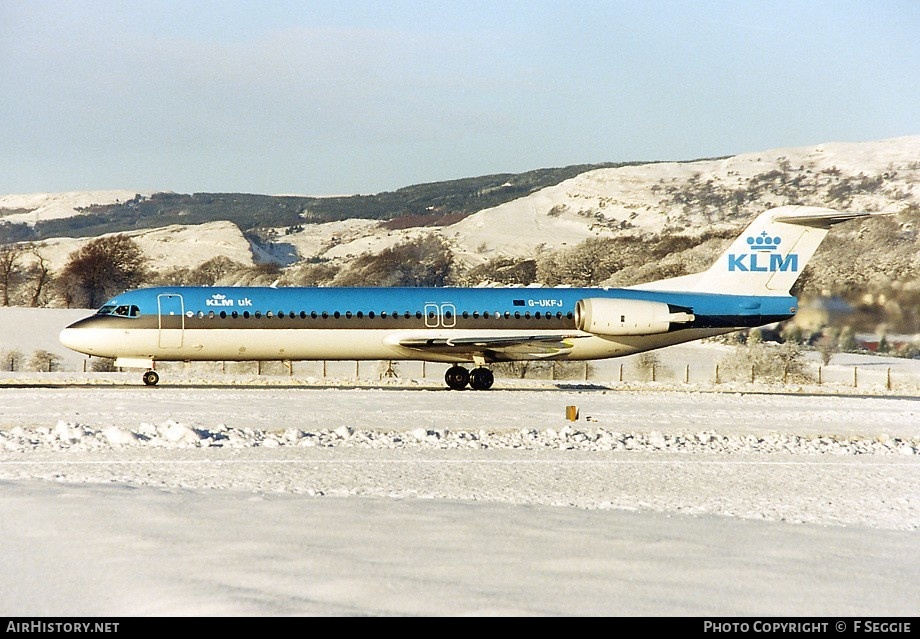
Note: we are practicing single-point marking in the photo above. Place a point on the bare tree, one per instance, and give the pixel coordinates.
(39, 273)
(10, 269)
(102, 268)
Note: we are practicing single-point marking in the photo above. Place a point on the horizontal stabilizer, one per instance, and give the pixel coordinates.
(823, 220)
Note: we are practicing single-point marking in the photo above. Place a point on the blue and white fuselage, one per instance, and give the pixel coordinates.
(747, 287)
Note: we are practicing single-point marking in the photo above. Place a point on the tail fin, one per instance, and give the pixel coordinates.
(768, 257)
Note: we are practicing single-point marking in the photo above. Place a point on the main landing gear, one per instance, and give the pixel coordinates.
(151, 378)
(480, 378)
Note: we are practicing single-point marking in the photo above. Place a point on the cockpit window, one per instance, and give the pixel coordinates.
(121, 310)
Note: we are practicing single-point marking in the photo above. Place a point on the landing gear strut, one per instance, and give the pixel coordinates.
(151, 378)
(480, 378)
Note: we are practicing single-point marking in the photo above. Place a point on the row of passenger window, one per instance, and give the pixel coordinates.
(383, 315)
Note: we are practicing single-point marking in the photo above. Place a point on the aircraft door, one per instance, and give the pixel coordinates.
(432, 316)
(444, 315)
(171, 310)
(448, 315)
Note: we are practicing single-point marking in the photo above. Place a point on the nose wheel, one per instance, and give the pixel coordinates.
(151, 378)
(480, 378)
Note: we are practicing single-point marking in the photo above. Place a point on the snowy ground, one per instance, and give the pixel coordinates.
(274, 495)
(262, 501)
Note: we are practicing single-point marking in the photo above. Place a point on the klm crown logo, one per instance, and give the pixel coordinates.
(218, 299)
(764, 242)
(764, 256)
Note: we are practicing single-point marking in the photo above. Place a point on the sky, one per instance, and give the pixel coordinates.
(344, 97)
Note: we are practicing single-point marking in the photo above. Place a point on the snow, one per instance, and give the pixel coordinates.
(173, 246)
(40, 207)
(565, 214)
(603, 202)
(244, 495)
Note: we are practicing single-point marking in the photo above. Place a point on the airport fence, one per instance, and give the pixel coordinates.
(628, 372)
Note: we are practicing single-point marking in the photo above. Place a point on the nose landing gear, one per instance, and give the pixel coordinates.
(480, 378)
(151, 378)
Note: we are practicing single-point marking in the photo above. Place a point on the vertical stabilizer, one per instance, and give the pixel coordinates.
(770, 255)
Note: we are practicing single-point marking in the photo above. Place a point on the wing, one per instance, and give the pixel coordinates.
(498, 347)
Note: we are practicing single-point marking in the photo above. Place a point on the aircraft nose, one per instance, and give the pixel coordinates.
(76, 339)
(69, 338)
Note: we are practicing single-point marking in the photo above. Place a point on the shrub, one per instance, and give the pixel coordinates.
(44, 361)
(770, 362)
(12, 360)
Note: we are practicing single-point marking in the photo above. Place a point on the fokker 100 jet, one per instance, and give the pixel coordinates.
(748, 286)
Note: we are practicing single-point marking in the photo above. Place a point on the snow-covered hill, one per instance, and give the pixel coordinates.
(172, 246)
(686, 197)
(39, 207)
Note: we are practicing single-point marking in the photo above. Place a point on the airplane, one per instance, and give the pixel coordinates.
(747, 286)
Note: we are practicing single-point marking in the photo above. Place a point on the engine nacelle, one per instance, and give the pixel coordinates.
(604, 316)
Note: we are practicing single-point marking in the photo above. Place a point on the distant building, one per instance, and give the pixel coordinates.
(893, 343)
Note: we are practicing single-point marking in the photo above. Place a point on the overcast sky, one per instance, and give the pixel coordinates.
(362, 97)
